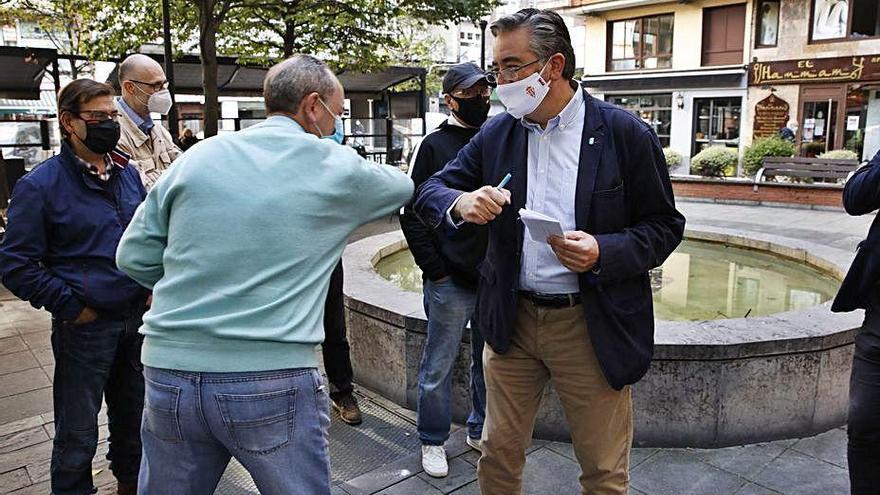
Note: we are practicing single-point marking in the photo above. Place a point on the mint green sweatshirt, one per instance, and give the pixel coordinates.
(238, 240)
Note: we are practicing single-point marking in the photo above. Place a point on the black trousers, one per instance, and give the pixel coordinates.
(335, 349)
(863, 424)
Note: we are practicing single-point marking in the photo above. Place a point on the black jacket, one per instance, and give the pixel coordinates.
(623, 197)
(861, 196)
(439, 254)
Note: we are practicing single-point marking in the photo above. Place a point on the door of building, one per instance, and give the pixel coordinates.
(822, 119)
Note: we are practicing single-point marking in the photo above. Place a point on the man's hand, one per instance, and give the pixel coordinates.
(481, 206)
(87, 315)
(578, 251)
(149, 302)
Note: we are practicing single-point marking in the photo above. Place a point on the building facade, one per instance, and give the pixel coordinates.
(821, 58)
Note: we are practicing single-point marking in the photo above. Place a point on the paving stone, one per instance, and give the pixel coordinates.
(45, 357)
(385, 476)
(638, 456)
(17, 361)
(746, 460)
(9, 345)
(469, 489)
(13, 480)
(411, 486)
(38, 340)
(680, 472)
(38, 489)
(21, 439)
(23, 381)
(472, 457)
(25, 405)
(563, 449)
(550, 473)
(23, 457)
(336, 490)
(753, 489)
(829, 447)
(798, 474)
(460, 473)
(21, 424)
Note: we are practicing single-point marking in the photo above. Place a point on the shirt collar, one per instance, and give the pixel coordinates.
(113, 162)
(565, 116)
(285, 120)
(144, 124)
(454, 122)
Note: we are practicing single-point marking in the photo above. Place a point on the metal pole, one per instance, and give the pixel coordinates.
(483, 25)
(169, 69)
(828, 125)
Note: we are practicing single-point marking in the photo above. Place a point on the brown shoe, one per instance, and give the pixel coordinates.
(347, 407)
(126, 488)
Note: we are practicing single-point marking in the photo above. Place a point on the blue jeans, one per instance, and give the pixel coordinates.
(449, 308)
(273, 422)
(95, 360)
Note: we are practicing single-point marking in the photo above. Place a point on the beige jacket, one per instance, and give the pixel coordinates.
(152, 154)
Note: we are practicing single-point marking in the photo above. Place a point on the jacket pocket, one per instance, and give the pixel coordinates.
(608, 210)
(260, 423)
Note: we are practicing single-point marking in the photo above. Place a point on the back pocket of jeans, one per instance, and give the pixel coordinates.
(161, 411)
(259, 423)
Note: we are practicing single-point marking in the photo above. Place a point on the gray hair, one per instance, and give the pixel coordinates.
(288, 82)
(549, 34)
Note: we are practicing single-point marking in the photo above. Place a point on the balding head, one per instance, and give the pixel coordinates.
(139, 68)
(288, 82)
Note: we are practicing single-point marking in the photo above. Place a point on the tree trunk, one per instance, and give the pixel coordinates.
(289, 38)
(208, 48)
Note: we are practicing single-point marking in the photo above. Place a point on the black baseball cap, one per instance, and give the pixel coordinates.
(462, 76)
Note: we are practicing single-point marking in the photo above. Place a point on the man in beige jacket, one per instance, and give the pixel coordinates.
(144, 91)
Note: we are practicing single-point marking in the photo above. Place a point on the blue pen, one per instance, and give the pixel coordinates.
(503, 182)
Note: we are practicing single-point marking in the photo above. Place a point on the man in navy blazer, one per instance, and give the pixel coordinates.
(576, 309)
(860, 290)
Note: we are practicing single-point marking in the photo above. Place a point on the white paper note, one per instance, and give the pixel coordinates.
(540, 226)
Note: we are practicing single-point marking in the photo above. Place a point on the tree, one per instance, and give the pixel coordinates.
(65, 23)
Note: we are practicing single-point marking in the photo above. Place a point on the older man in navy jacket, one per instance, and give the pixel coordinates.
(576, 309)
(860, 290)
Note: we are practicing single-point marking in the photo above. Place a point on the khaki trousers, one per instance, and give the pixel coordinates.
(553, 343)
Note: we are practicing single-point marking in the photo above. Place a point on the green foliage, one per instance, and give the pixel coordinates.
(761, 148)
(839, 155)
(714, 161)
(673, 158)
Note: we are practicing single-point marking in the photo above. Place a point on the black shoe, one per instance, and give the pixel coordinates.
(347, 407)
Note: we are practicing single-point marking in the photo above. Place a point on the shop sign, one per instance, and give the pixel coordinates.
(815, 70)
(771, 114)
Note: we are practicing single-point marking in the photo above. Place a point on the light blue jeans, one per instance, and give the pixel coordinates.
(273, 422)
(449, 308)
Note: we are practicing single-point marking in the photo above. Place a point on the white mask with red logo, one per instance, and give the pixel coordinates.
(523, 97)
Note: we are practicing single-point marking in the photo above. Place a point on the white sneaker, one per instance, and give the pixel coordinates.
(434, 461)
(474, 443)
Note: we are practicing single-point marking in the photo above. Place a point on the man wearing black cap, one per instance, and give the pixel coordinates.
(450, 277)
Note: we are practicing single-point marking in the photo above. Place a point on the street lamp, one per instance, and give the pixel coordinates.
(679, 101)
(483, 24)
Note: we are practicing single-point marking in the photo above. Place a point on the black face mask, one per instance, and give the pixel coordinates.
(101, 137)
(473, 111)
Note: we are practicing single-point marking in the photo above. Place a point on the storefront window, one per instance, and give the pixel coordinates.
(767, 32)
(819, 127)
(856, 117)
(841, 19)
(655, 110)
(644, 43)
(716, 122)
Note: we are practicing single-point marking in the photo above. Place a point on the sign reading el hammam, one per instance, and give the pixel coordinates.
(816, 70)
(771, 114)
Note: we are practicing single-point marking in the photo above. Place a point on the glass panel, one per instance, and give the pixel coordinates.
(716, 122)
(618, 37)
(818, 127)
(636, 39)
(866, 18)
(768, 23)
(623, 64)
(856, 121)
(664, 44)
(829, 19)
(650, 27)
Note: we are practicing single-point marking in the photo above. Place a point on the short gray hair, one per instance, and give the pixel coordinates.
(549, 34)
(288, 82)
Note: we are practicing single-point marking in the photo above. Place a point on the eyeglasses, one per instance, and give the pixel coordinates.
(508, 74)
(472, 92)
(159, 86)
(97, 115)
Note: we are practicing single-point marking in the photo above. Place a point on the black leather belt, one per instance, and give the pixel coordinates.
(555, 301)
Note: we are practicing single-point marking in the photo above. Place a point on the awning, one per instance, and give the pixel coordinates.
(46, 104)
(244, 80)
(588, 7)
(727, 77)
(23, 71)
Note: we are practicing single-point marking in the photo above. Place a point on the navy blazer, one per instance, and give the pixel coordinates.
(860, 196)
(623, 198)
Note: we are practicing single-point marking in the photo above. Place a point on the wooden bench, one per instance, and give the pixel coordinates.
(813, 168)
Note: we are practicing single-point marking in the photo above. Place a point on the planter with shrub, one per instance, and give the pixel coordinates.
(762, 148)
(673, 158)
(714, 161)
(839, 155)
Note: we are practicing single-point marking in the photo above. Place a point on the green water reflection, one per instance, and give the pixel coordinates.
(700, 281)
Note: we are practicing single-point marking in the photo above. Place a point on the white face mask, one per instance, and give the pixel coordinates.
(523, 97)
(160, 102)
